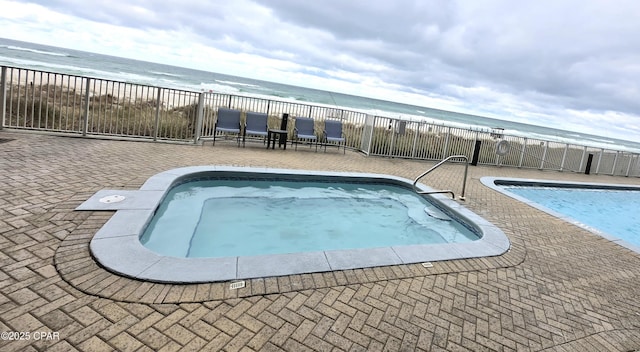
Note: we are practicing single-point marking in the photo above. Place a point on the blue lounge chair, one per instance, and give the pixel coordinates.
(333, 134)
(305, 130)
(255, 125)
(228, 121)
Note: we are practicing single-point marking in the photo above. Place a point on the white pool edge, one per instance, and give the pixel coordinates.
(117, 246)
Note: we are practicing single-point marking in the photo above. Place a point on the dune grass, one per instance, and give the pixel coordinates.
(56, 108)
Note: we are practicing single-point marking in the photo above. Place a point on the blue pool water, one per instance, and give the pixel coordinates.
(221, 218)
(611, 211)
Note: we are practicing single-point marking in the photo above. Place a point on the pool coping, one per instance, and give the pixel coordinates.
(490, 182)
(116, 246)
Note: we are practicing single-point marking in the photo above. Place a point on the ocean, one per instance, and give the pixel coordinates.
(53, 59)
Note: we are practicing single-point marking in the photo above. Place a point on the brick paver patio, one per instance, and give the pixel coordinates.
(559, 288)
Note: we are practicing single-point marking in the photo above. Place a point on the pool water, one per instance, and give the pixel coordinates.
(222, 218)
(614, 212)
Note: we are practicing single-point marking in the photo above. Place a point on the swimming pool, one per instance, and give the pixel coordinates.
(608, 210)
(246, 217)
(118, 245)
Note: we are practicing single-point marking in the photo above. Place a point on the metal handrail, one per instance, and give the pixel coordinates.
(464, 180)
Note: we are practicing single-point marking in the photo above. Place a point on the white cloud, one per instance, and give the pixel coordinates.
(573, 64)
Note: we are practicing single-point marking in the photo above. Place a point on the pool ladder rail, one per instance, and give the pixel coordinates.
(464, 180)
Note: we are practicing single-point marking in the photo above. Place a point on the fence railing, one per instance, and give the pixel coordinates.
(49, 101)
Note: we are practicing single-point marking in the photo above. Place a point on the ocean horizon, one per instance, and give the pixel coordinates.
(73, 62)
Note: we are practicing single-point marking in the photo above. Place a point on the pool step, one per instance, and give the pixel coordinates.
(436, 213)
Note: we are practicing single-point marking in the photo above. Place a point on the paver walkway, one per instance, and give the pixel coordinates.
(560, 288)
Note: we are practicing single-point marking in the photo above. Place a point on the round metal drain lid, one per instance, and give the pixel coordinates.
(112, 199)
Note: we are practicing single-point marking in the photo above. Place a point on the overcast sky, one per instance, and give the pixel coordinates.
(571, 64)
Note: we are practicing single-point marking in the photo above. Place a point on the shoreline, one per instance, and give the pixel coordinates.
(179, 98)
(197, 80)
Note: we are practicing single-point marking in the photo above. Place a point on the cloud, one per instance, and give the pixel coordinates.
(571, 62)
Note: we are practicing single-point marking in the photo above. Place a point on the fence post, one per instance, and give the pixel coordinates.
(476, 152)
(544, 154)
(367, 134)
(158, 102)
(587, 169)
(85, 122)
(524, 146)
(393, 137)
(629, 165)
(564, 156)
(415, 140)
(3, 95)
(445, 151)
(199, 118)
(615, 163)
(599, 160)
(584, 152)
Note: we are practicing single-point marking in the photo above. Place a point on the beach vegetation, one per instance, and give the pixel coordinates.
(56, 108)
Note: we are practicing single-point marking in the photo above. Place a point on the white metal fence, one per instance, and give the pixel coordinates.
(56, 102)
